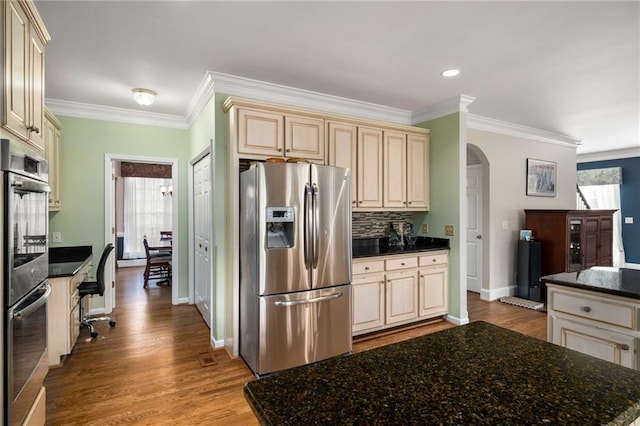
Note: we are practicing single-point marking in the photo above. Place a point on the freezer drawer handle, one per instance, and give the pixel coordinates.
(287, 303)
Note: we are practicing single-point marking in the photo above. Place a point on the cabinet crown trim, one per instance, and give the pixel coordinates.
(233, 101)
(31, 11)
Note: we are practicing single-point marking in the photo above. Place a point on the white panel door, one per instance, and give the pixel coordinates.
(474, 228)
(202, 238)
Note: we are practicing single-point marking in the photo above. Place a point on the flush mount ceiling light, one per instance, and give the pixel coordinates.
(450, 73)
(144, 97)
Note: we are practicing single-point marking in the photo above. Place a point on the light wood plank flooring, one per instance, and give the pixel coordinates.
(146, 370)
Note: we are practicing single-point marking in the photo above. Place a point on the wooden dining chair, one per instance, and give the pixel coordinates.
(158, 265)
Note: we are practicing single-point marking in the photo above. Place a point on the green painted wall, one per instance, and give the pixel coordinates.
(444, 195)
(209, 130)
(84, 145)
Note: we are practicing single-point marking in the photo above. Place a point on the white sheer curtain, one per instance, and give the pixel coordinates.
(608, 197)
(146, 212)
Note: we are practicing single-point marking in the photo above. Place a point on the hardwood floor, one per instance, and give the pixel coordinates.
(146, 370)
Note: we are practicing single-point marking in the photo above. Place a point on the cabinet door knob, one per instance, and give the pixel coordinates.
(433, 260)
(366, 268)
(359, 202)
(402, 264)
(279, 149)
(586, 309)
(624, 347)
(288, 150)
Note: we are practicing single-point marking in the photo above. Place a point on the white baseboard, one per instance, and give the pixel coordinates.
(127, 263)
(497, 293)
(632, 265)
(96, 311)
(217, 343)
(183, 300)
(456, 320)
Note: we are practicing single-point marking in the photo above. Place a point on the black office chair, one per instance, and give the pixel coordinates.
(95, 287)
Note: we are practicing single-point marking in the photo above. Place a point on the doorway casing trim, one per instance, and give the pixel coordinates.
(109, 214)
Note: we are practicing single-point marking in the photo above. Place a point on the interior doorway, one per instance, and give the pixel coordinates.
(478, 234)
(111, 160)
(202, 235)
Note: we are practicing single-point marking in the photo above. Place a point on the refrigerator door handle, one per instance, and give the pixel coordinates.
(308, 202)
(287, 303)
(316, 219)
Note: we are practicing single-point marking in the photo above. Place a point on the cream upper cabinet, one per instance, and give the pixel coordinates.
(343, 140)
(23, 99)
(370, 152)
(417, 172)
(304, 137)
(275, 134)
(395, 170)
(260, 132)
(52, 137)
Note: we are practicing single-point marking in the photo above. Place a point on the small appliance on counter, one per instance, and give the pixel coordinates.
(295, 265)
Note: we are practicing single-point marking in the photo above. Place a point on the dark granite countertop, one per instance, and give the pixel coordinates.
(67, 261)
(474, 374)
(617, 281)
(368, 247)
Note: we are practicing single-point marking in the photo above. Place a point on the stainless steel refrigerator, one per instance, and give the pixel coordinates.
(295, 264)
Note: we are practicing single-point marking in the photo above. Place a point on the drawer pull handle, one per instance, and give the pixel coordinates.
(586, 309)
(433, 260)
(624, 347)
(402, 264)
(366, 268)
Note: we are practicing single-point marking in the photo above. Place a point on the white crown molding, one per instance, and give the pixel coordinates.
(200, 98)
(614, 154)
(505, 128)
(290, 96)
(450, 106)
(121, 115)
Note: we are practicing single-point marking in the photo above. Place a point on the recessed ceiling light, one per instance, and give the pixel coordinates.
(450, 73)
(144, 97)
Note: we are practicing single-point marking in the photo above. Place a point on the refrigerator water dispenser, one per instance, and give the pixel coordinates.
(280, 227)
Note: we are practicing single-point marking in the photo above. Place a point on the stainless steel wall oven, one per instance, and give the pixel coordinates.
(25, 287)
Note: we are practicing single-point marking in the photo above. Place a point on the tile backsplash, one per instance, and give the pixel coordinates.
(376, 224)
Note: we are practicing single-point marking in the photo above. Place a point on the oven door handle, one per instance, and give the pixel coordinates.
(31, 186)
(34, 306)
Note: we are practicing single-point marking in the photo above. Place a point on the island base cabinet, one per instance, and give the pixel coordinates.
(368, 302)
(600, 343)
(401, 296)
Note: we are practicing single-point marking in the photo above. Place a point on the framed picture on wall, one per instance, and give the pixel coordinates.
(541, 178)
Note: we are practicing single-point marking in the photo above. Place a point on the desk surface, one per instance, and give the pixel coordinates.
(473, 374)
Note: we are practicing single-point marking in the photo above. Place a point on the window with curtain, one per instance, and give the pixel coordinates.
(601, 189)
(146, 212)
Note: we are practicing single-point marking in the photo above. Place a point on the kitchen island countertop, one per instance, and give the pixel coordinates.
(474, 374)
(602, 279)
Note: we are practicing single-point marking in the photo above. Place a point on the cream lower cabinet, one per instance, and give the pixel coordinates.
(63, 315)
(368, 302)
(400, 289)
(401, 296)
(38, 412)
(600, 325)
(433, 280)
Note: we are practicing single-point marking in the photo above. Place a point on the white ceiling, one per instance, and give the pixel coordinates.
(567, 67)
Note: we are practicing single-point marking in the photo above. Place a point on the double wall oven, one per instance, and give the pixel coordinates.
(24, 199)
